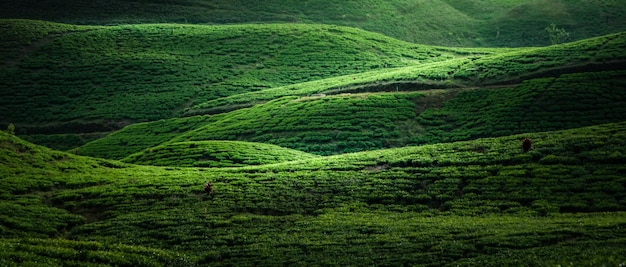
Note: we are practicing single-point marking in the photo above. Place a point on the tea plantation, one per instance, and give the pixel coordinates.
(474, 23)
(60, 79)
(215, 154)
(312, 133)
(481, 202)
(334, 124)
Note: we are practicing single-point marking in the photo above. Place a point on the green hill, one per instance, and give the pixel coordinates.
(335, 124)
(505, 67)
(479, 202)
(66, 85)
(215, 154)
(59, 79)
(333, 133)
(511, 23)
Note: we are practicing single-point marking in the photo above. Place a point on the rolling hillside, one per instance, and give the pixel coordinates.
(480, 202)
(335, 124)
(215, 154)
(510, 23)
(333, 133)
(66, 85)
(506, 67)
(58, 78)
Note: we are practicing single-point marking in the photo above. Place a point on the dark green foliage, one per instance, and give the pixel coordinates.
(83, 79)
(557, 35)
(59, 252)
(215, 154)
(596, 54)
(476, 202)
(335, 124)
(320, 125)
(569, 101)
(481, 69)
(438, 22)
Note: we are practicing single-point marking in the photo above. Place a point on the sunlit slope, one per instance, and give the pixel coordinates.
(439, 22)
(483, 201)
(596, 54)
(63, 252)
(215, 154)
(28, 170)
(336, 124)
(583, 85)
(58, 78)
(34, 228)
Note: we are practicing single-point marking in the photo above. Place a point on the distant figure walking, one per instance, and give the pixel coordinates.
(208, 187)
(527, 144)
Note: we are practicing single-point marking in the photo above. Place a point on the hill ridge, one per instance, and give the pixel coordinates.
(335, 124)
(107, 62)
(441, 22)
(324, 144)
(214, 153)
(565, 194)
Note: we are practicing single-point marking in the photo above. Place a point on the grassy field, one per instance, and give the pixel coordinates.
(510, 23)
(479, 202)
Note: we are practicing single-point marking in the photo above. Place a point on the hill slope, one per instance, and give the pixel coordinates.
(506, 67)
(437, 22)
(58, 78)
(335, 124)
(215, 154)
(75, 80)
(482, 201)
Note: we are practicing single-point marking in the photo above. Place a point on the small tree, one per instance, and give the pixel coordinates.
(557, 35)
(11, 129)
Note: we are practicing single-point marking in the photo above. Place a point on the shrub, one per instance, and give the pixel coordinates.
(11, 129)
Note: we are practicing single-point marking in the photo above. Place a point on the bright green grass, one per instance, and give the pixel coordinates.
(61, 252)
(321, 125)
(345, 123)
(76, 79)
(438, 22)
(335, 124)
(139, 136)
(215, 154)
(506, 67)
(479, 202)
(82, 79)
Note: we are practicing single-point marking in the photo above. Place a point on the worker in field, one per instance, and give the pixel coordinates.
(208, 187)
(527, 144)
